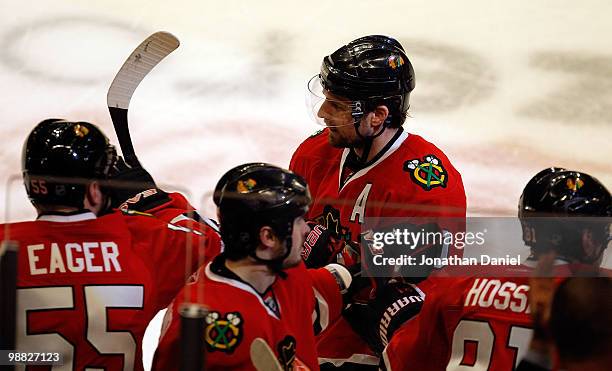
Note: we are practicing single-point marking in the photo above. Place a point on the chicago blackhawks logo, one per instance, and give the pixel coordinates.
(395, 61)
(427, 173)
(80, 131)
(574, 184)
(223, 334)
(245, 186)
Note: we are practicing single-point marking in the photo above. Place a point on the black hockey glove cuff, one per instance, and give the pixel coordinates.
(394, 303)
(126, 182)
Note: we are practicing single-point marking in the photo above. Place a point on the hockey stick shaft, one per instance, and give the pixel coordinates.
(192, 341)
(119, 116)
(8, 293)
(138, 65)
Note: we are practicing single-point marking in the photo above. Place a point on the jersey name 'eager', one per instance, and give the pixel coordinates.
(73, 257)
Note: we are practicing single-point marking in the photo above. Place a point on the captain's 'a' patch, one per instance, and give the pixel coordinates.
(428, 172)
(223, 334)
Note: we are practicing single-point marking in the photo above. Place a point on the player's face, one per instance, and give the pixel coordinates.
(298, 236)
(336, 113)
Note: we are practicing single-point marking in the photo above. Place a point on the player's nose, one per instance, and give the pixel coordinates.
(324, 110)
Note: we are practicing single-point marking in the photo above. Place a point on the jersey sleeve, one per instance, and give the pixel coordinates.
(304, 159)
(176, 252)
(298, 164)
(168, 347)
(328, 299)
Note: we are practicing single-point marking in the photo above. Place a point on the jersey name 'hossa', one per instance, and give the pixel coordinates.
(479, 322)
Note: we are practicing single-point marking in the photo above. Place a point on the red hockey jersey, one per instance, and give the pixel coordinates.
(410, 178)
(466, 323)
(87, 287)
(283, 317)
(479, 323)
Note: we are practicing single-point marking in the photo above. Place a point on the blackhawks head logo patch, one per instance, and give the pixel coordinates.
(395, 61)
(223, 334)
(428, 173)
(245, 186)
(574, 184)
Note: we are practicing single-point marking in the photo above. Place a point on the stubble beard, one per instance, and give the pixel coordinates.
(337, 140)
(292, 263)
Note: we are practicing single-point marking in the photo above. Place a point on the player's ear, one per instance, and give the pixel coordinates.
(268, 242)
(94, 198)
(378, 116)
(590, 247)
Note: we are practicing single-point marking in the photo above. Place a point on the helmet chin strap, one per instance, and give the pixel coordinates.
(367, 140)
(276, 264)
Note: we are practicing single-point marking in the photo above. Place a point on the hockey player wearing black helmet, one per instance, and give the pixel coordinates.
(71, 165)
(565, 217)
(258, 288)
(567, 212)
(80, 260)
(362, 90)
(363, 168)
(261, 214)
(63, 165)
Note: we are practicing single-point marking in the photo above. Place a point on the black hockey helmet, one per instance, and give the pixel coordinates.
(256, 195)
(61, 157)
(236, 171)
(372, 70)
(557, 192)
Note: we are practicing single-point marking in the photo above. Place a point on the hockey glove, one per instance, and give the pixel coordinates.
(394, 249)
(320, 247)
(394, 303)
(126, 182)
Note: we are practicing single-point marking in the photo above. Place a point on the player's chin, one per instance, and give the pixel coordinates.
(292, 262)
(335, 140)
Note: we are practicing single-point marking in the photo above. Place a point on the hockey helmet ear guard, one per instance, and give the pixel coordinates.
(61, 157)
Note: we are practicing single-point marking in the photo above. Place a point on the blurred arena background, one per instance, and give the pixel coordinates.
(504, 88)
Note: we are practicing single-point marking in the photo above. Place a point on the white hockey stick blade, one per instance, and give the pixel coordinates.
(142, 60)
(263, 356)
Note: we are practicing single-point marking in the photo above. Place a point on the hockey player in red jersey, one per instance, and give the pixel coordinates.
(364, 165)
(258, 287)
(90, 279)
(484, 323)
